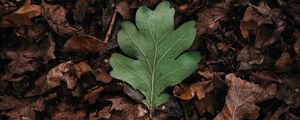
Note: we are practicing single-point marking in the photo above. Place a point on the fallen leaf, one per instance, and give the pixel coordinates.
(68, 72)
(124, 9)
(25, 57)
(208, 18)
(22, 16)
(102, 76)
(82, 9)
(187, 92)
(7, 7)
(84, 44)
(27, 108)
(34, 32)
(55, 15)
(275, 116)
(297, 42)
(252, 19)
(240, 102)
(80, 115)
(248, 57)
(266, 23)
(92, 94)
(8, 102)
(288, 95)
(284, 61)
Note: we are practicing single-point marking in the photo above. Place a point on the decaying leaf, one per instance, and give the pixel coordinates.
(248, 57)
(264, 22)
(64, 112)
(68, 72)
(284, 61)
(84, 44)
(187, 92)
(240, 100)
(24, 57)
(208, 18)
(93, 94)
(297, 42)
(22, 16)
(102, 76)
(55, 15)
(123, 9)
(157, 48)
(25, 108)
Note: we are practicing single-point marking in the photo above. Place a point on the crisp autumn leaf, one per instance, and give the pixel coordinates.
(241, 100)
(156, 55)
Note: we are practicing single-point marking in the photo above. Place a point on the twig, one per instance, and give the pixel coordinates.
(111, 25)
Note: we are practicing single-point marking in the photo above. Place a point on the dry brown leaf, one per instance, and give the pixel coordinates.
(34, 32)
(55, 15)
(64, 112)
(24, 57)
(249, 56)
(102, 76)
(267, 24)
(25, 109)
(68, 72)
(284, 61)
(208, 18)
(92, 94)
(187, 92)
(22, 16)
(124, 9)
(240, 102)
(84, 44)
(82, 9)
(297, 42)
(121, 104)
(8, 102)
(252, 19)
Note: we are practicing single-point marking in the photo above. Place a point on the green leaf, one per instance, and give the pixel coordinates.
(154, 49)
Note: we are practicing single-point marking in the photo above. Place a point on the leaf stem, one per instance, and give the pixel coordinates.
(112, 23)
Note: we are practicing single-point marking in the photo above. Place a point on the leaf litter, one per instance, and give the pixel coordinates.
(54, 60)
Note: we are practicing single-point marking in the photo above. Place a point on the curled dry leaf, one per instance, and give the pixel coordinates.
(68, 72)
(208, 18)
(55, 15)
(22, 16)
(84, 44)
(240, 102)
(187, 92)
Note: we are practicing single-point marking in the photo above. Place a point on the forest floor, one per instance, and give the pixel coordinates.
(54, 61)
